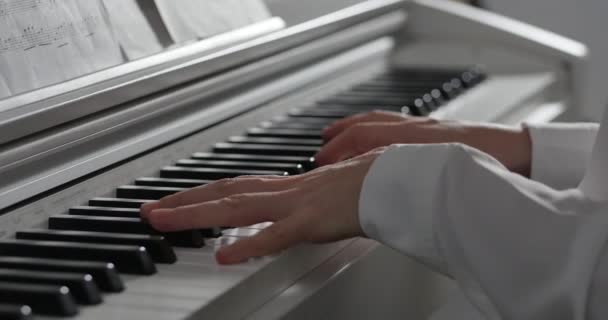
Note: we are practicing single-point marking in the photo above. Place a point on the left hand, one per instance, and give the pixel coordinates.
(358, 134)
(316, 207)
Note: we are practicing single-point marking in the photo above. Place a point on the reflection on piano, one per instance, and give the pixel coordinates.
(73, 243)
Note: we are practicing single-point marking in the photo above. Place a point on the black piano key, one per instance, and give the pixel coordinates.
(419, 73)
(104, 274)
(279, 141)
(415, 77)
(307, 162)
(316, 121)
(266, 149)
(43, 299)
(405, 85)
(143, 192)
(448, 91)
(412, 89)
(127, 259)
(358, 108)
(337, 114)
(214, 174)
(379, 93)
(392, 88)
(105, 212)
(82, 286)
(241, 165)
(15, 312)
(290, 125)
(171, 183)
(189, 238)
(420, 108)
(380, 98)
(437, 96)
(118, 202)
(457, 85)
(471, 78)
(430, 101)
(284, 133)
(158, 247)
(365, 101)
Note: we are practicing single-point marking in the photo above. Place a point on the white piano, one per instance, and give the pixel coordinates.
(79, 157)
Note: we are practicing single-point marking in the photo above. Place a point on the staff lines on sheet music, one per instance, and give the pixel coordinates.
(14, 7)
(34, 36)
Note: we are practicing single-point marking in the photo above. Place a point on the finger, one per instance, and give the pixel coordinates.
(361, 138)
(274, 239)
(339, 126)
(234, 211)
(216, 190)
(375, 116)
(354, 141)
(340, 148)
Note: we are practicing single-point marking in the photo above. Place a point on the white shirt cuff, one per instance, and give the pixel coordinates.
(395, 199)
(561, 152)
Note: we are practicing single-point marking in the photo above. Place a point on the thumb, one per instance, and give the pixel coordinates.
(279, 236)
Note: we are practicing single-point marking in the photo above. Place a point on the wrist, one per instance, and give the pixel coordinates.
(512, 146)
(521, 157)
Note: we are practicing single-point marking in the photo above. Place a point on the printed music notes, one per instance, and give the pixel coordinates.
(46, 42)
(43, 42)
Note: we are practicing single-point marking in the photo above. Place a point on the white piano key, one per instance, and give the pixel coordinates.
(240, 232)
(197, 281)
(119, 312)
(261, 226)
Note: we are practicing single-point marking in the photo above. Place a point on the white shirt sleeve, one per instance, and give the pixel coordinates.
(561, 152)
(518, 249)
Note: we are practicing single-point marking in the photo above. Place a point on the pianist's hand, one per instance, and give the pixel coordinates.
(360, 133)
(316, 207)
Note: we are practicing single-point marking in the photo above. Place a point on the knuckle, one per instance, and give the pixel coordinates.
(235, 202)
(226, 186)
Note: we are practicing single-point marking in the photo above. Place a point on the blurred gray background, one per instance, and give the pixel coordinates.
(583, 20)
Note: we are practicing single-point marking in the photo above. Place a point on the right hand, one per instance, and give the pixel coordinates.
(315, 207)
(361, 133)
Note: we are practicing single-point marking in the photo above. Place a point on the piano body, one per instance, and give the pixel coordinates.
(84, 154)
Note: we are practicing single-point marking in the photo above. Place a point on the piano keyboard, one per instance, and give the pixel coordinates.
(84, 257)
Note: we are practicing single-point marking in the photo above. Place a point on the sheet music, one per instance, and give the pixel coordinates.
(188, 20)
(43, 42)
(4, 90)
(132, 29)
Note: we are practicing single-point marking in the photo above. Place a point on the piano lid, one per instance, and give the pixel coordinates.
(38, 110)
